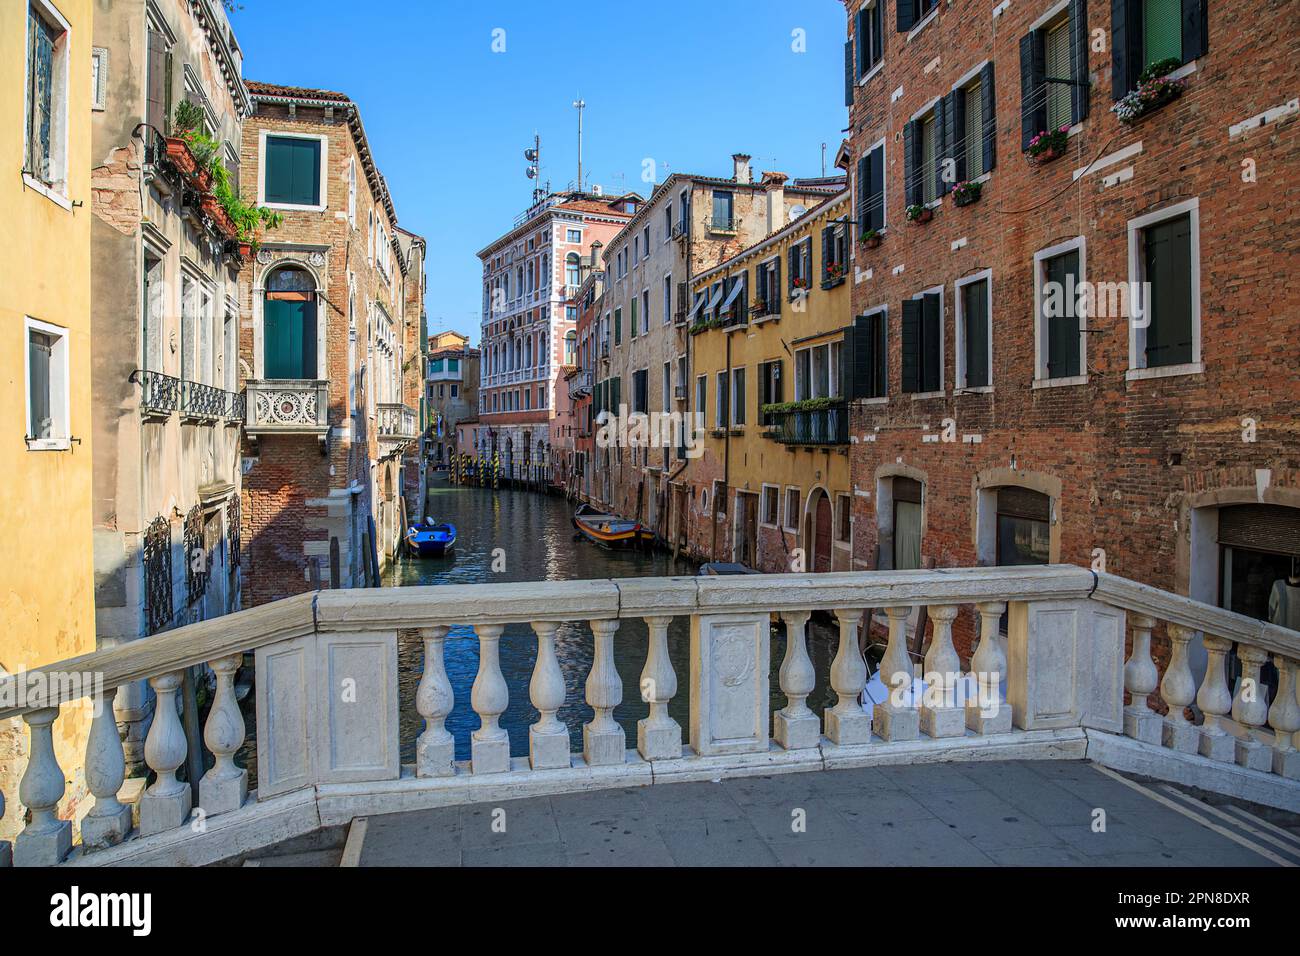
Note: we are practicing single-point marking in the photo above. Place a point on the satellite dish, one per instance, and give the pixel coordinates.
(530, 154)
(532, 172)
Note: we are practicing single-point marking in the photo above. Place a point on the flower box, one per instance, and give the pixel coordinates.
(871, 239)
(1048, 145)
(178, 152)
(213, 209)
(919, 213)
(963, 194)
(1154, 90)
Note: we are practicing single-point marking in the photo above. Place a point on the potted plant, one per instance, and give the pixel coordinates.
(919, 212)
(965, 193)
(1153, 91)
(191, 150)
(834, 270)
(799, 283)
(1049, 144)
(758, 308)
(871, 238)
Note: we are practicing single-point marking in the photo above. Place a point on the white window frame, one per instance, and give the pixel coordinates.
(1040, 320)
(572, 229)
(702, 402)
(60, 387)
(775, 490)
(985, 275)
(668, 298)
(324, 169)
(56, 190)
(1137, 336)
(99, 79)
(879, 64)
(836, 540)
(785, 509)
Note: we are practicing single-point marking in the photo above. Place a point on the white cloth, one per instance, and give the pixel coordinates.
(1284, 604)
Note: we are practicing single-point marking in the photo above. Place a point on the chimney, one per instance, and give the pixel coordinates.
(741, 161)
(774, 183)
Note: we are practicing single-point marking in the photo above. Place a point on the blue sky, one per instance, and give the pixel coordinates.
(685, 83)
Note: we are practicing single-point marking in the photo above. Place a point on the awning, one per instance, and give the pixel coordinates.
(737, 288)
(700, 299)
(716, 299)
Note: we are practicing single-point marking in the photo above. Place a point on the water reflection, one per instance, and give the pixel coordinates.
(508, 536)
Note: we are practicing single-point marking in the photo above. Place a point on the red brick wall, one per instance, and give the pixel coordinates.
(277, 519)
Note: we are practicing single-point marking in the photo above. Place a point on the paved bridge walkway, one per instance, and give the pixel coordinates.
(969, 814)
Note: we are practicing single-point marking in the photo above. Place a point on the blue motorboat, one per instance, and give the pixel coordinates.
(427, 540)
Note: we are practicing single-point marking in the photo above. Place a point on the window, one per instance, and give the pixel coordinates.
(737, 396)
(868, 36)
(770, 505)
(792, 510)
(1054, 83)
(572, 269)
(911, 12)
(769, 388)
(618, 326)
(47, 379)
(99, 78)
(843, 518)
(645, 309)
(923, 149)
(816, 371)
(835, 254)
(800, 265)
(46, 117)
(907, 495)
(634, 314)
(289, 326)
(668, 221)
(724, 213)
(723, 415)
(573, 235)
(973, 126)
(701, 401)
(1164, 269)
(1023, 528)
(868, 366)
(641, 391)
(1059, 274)
(922, 357)
(1146, 32)
(352, 192)
(645, 241)
(668, 300)
(871, 190)
(767, 293)
(293, 171)
(974, 342)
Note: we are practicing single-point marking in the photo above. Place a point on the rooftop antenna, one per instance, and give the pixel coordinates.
(579, 104)
(534, 157)
(823, 160)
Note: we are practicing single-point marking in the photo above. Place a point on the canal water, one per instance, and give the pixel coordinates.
(530, 537)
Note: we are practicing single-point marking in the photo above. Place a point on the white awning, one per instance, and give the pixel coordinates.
(737, 287)
(700, 300)
(716, 298)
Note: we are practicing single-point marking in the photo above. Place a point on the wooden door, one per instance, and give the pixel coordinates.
(822, 536)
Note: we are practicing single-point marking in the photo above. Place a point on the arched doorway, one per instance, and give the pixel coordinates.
(289, 325)
(818, 531)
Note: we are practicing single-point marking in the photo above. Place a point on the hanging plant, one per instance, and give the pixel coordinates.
(1153, 91)
(1049, 144)
(963, 194)
(871, 238)
(917, 212)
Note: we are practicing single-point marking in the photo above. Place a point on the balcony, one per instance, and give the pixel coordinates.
(723, 225)
(287, 407)
(679, 393)
(160, 394)
(397, 422)
(580, 384)
(827, 425)
(1054, 689)
(203, 403)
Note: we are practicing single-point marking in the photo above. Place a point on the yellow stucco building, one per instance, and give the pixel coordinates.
(47, 596)
(771, 356)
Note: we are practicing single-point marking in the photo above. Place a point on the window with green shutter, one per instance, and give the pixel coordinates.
(1162, 31)
(1061, 275)
(1058, 67)
(1167, 268)
(929, 186)
(618, 326)
(292, 173)
(975, 333)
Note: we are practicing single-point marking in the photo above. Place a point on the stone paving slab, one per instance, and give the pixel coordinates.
(1010, 813)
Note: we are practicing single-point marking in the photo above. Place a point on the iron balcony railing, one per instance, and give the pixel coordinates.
(237, 410)
(722, 224)
(201, 401)
(160, 394)
(810, 426)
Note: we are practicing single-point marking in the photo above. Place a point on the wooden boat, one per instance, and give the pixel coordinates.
(714, 568)
(608, 530)
(427, 540)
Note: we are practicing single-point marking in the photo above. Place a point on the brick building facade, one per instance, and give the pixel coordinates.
(1160, 440)
(329, 346)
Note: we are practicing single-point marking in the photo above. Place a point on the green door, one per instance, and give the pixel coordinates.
(289, 339)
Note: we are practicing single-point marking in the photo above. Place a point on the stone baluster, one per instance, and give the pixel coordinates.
(166, 804)
(1250, 711)
(1178, 688)
(109, 820)
(1284, 718)
(603, 740)
(548, 738)
(795, 726)
(224, 787)
(46, 840)
(847, 722)
(1140, 679)
(897, 718)
(940, 715)
(490, 744)
(435, 748)
(658, 736)
(986, 711)
(1215, 702)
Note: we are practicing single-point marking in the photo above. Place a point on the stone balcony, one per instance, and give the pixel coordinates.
(580, 384)
(286, 407)
(397, 422)
(1053, 688)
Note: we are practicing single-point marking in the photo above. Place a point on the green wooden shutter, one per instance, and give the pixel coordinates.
(1196, 29)
(876, 189)
(975, 319)
(292, 171)
(864, 169)
(1079, 60)
(1059, 102)
(1063, 329)
(911, 351)
(1033, 91)
(1167, 250)
(1125, 56)
(988, 118)
(905, 11)
(633, 316)
(957, 139)
(848, 73)
(286, 340)
(911, 165)
(931, 342)
(1162, 31)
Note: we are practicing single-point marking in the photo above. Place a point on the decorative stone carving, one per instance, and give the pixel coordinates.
(940, 715)
(166, 804)
(729, 683)
(1215, 702)
(108, 821)
(988, 667)
(1283, 717)
(46, 840)
(895, 720)
(1250, 711)
(225, 786)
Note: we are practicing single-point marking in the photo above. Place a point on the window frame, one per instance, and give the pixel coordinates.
(1041, 379)
(798, 507)
(60, 387)
(942, 390)
(842, 497)
(262, 157)
(1136, 271)
(984, 275)
(56, 189)
(775, 492)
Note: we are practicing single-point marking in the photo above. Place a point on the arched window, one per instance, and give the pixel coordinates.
(572, 270)
(289, 325)
(570, 347)
(528, 354)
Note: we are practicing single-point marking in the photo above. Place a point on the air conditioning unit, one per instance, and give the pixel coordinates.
(679, 392)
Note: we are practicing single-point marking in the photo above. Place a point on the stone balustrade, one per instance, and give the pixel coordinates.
(327, 702)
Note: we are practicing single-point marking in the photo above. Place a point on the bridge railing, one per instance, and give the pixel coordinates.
(328, 710)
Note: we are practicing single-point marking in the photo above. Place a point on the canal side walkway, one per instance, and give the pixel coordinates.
(1008, 813)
